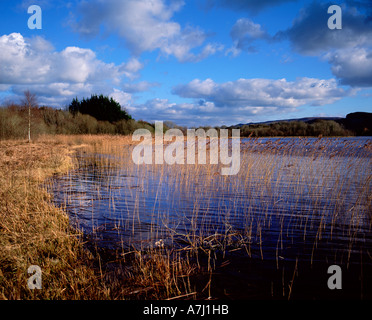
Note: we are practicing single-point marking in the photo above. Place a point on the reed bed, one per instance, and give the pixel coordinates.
(33, 231)
(295, 202)
(110, 229)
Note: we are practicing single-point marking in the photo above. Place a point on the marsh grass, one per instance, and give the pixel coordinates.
(294, 204)
(34, 232)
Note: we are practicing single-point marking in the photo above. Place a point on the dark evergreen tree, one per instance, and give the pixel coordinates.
(100, 107)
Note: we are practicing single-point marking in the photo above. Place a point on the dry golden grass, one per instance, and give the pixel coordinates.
(34, 232)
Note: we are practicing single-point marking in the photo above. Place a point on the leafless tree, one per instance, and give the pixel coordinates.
(29, 101)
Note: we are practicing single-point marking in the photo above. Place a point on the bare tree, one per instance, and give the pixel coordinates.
(29, 101)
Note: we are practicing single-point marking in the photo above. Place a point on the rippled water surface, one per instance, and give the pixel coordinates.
(292, 200)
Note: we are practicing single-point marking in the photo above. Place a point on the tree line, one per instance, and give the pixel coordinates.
(103, 115)
(296, 128)
(95, 115)
(355, 124)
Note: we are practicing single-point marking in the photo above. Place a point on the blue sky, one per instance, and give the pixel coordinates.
(206, 62)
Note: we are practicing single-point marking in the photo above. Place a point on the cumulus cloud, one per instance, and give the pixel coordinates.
(122, 97)
(200, 112)
(131, 68)
(239, 101)
(246, 29)
(349, 50)
(196, 89)
(190, 114)
(145, 25)
(310, 35)
(261, 93)
(244, 33)
(34, 64)
(352, 66)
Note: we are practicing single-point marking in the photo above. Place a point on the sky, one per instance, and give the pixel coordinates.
(196, 63)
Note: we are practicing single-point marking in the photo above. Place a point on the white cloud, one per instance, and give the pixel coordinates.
(74, 64)
(34, 64)
(25, 61)
(347, 50)
(198, 112)
(352, 66)
(244, 34)
(131, 68)
(245, 30)
(159, 104)
(145, 25)
(183, 113)
(309, 36)
(196, 89)
(122, 97)
(239, 101)
(253, 93)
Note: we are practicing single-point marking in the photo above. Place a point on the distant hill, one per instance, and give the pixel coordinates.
(356, 123)
(359, 122)
(307, 120)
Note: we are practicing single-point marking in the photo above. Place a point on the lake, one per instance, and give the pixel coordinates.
(297, 206)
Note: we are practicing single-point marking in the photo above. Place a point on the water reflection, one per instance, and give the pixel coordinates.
(307, 199)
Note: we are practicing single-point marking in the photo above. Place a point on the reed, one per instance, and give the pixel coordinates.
(35, 232)
(295, 203)
(287, 191)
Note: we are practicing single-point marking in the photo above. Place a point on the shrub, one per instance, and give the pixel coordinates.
(105, 127)
(11, 125)
(126, 127)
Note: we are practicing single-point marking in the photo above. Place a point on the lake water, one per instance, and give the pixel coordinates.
(295, 202)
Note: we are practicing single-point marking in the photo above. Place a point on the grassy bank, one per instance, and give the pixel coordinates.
(34, 232)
